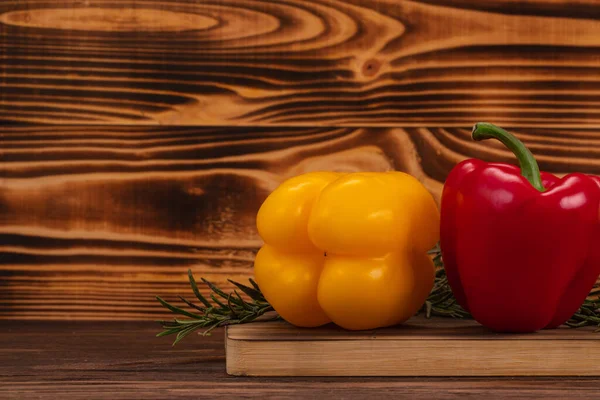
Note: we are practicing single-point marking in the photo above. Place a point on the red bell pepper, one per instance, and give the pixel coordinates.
(521, 249)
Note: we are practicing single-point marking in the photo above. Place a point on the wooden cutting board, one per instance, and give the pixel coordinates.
(421, 347)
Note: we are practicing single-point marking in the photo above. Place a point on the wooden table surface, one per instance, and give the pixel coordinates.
(123, 360)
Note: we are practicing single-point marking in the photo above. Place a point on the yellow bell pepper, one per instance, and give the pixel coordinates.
(348, 248)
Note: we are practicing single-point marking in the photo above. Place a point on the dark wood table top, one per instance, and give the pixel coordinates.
(124, 360)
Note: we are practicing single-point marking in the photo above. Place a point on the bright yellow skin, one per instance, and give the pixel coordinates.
(347, 248)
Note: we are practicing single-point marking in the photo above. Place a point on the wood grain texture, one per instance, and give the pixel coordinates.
(421, 347)
(96, 221)
(295, 62)
(418, 328)
(121, 361)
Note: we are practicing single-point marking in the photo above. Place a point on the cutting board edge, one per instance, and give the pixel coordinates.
(372, 357)
(415, 329)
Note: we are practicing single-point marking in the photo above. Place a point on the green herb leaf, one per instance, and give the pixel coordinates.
(237, 310)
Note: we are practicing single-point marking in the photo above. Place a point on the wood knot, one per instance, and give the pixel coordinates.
(371, 67)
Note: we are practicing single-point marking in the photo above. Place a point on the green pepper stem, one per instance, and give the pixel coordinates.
(529, 166)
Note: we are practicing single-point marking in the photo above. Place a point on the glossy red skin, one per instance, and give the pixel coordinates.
(517, 259)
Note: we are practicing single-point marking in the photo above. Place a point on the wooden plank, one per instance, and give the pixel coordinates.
(318, 62)
(96, 221)
(422, 347)
(124, 360)
(417, 328)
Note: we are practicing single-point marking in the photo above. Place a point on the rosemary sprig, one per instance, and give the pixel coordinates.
(228, 309)
(589, 313)
(225, 309)
(441, 301)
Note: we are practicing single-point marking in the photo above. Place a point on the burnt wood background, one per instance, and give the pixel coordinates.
(138, 138)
